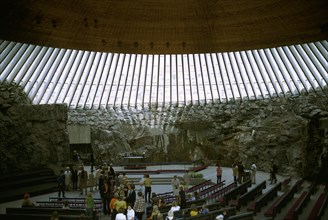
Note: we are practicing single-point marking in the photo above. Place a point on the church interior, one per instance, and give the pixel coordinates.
(165, 87)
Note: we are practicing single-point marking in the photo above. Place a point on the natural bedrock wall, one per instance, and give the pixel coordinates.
(32, 136)
(286, 129)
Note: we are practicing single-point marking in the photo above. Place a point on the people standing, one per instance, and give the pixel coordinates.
(273, 172)
(92, 160)
(120, 215)
(112, 206)
(182, 198)
(68, 179)
(147, 183)
(131, 195)
(235, 171)
(61, 184)
(218, 173)
(139, 206)
(91, 180)
(253, 172)
(175, 185)
(130, 214)
(89, 205)
(74, 179)
(83, 180)
(241, 171)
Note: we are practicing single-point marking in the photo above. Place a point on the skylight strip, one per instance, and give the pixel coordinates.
(11, 60)
(234, 69)
(138, 96)
(27, 65)
(175, 75)
(5, 47)
(89, 88)
(112, 79)
(209, 76)
(102, 74)
(302, 81)
(194, 79)
(211, 69)
(232, 88)
(310, 65)
(132, 79)
(25, 81)
(303, 68)
(146, 85)
(127, 87)
(49, 73)
(220, 73)
(259, 71)
(104, 92)
(241, 71)
(277, 79)
(79, 74)
(81, 92)
(35, 80)
(20, 65)
(282, 72)
(317, 59)
(7, 56)
(182, 75)
(151, 79)
(65, 95)
(121, 71)
(164, 81)
(63, 77)
(48, 99)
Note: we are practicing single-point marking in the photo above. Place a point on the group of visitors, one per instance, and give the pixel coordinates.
(122, 201)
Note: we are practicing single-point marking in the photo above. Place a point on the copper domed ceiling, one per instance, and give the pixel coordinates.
(164, 26)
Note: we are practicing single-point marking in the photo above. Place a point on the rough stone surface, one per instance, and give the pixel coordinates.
(31, 135)
(285, 129)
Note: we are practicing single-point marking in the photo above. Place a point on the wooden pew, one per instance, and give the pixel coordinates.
(297, 207)
(44, 211)
(38, 217)
(212, 189)
(264, 199)
(199, 187)
(242, 216)
(72, 205)
(232, 194)
(251, 194)
(211, 215)
(283, 200)
(221, 192)
(319, 207)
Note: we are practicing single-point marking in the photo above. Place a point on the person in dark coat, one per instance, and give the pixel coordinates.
(61, 184)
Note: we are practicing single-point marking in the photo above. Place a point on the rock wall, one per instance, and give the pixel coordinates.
(31, 135)
(284, 129)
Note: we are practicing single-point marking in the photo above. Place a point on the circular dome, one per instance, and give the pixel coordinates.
(164, 27)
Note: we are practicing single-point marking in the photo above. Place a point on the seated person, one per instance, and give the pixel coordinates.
(193, 210)
(175, 206)
(26, 201)
(204, 209)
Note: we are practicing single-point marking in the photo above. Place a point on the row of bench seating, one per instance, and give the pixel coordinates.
(319, 207)
(218, 194)
(41, 213)
(248, 196)
(212, 189)
(298, 206)
(232, 194)
(283, 200)
(262, 201)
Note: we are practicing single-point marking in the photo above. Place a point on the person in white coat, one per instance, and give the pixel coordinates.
(68, 179)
